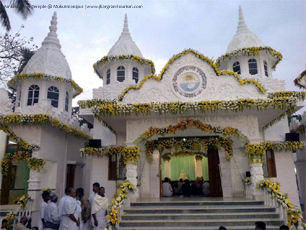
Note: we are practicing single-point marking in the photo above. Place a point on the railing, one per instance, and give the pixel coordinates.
(23, 212)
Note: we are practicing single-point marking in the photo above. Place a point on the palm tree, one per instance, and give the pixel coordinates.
(22, 7)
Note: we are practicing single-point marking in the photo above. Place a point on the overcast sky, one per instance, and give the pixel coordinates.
(162, 29)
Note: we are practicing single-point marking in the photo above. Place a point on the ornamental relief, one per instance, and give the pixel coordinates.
(247, 125)
(191, 79)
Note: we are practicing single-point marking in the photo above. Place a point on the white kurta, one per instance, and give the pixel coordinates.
(91, 198)
(42, 209)
(167, 189)
(98, 208)
(68, 206)
(51, 214)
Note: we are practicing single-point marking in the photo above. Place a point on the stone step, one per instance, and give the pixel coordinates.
(197, 203)
(193, 209)
(195, 228)
(198, 223)
(263, 215)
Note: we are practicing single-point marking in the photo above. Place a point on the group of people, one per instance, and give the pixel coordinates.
(185, 188)
(74, 211)
(259, 225)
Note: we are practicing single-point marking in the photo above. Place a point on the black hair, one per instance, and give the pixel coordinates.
(284, 227)
(45, 194)
(96, 184)
(80, 191)
(68, 190)
(261, 225)
(4, 221)
(166, 179)
(222, 228)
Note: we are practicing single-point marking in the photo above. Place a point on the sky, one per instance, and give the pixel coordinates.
(162, 29)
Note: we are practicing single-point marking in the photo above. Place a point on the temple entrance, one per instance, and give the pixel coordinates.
(201, 171)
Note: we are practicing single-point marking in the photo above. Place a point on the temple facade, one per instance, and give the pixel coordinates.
(198, 119)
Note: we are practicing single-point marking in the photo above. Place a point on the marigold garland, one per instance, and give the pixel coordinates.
(130, 154)
(257, 151)
(10, 217)
(251, 51)
(114, 209)
(300, 95)
(39, 119)
(203, 58)
(297, 80)
(36, 164)
(135, 58)
(23, 201)
(247, 181)
(194, 145)
(294, 214)
(184, 124)
(46, 77)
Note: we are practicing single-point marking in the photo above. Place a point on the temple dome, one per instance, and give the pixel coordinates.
(243, 38)
(49, 59)
(125, 44)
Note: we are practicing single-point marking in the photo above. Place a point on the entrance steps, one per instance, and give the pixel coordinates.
(196, 214)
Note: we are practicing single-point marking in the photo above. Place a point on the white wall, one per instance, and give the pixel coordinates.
(3, 138)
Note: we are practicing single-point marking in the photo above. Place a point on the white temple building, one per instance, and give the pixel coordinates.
(220, 121)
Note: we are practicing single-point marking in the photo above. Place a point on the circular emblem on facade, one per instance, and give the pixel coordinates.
(189, 81)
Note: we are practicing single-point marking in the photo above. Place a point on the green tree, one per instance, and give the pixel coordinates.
(22, 7)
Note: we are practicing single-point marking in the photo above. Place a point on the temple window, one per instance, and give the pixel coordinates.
(253, 66)
(108, 74)
(67, 101)
(120, 74)
(53, 95)
(135, 74)
(236, 67)
(33, 95)
(266, 68)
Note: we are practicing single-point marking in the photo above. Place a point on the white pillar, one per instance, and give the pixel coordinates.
(131, 176)
(198, 168)
(256, 176)
(168, 169)
(155, 175)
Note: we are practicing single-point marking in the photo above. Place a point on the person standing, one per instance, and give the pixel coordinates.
(51, 217)
(68, 211)
(42, 208)
(98, 210)
(85, 213)
(95, 190)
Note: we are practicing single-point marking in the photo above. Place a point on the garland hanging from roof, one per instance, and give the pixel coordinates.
(300, 95)
(46, 77)
(257, 151)
(135, 58)
(251, 51)
(186, 123)
(39, 119)
(193, 146)
(203, 58)
(296, 81)
(130, 154)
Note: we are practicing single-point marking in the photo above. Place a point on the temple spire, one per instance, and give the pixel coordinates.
(125, 32)
(52, 35)
(242, 27)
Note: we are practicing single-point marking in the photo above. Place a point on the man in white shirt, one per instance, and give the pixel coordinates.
(98, 210)
(95, 190)
(42, 208)
(68, 211)
(51, 214)
(166, 187)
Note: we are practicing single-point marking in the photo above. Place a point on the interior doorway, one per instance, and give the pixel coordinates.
(215, 186)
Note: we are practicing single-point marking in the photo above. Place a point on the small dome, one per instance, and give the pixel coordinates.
(243, 38)
(125, 44)
(49, 59)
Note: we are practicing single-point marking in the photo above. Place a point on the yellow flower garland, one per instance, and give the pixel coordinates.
(251, 51)
(203, 58)
(130, 154)
(294, 214)
(39, 119)
(42, 76)
(257, 151)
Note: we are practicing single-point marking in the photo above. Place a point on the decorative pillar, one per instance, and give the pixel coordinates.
(198, 166)
(167, 169)
(257, 175)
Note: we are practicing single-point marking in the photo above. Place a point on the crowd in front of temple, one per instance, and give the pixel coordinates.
(185, 188)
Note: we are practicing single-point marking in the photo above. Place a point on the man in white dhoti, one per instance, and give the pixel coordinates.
(98, 210)
(68, 211)
(51, 217)
(95, 190)
(42, 208)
